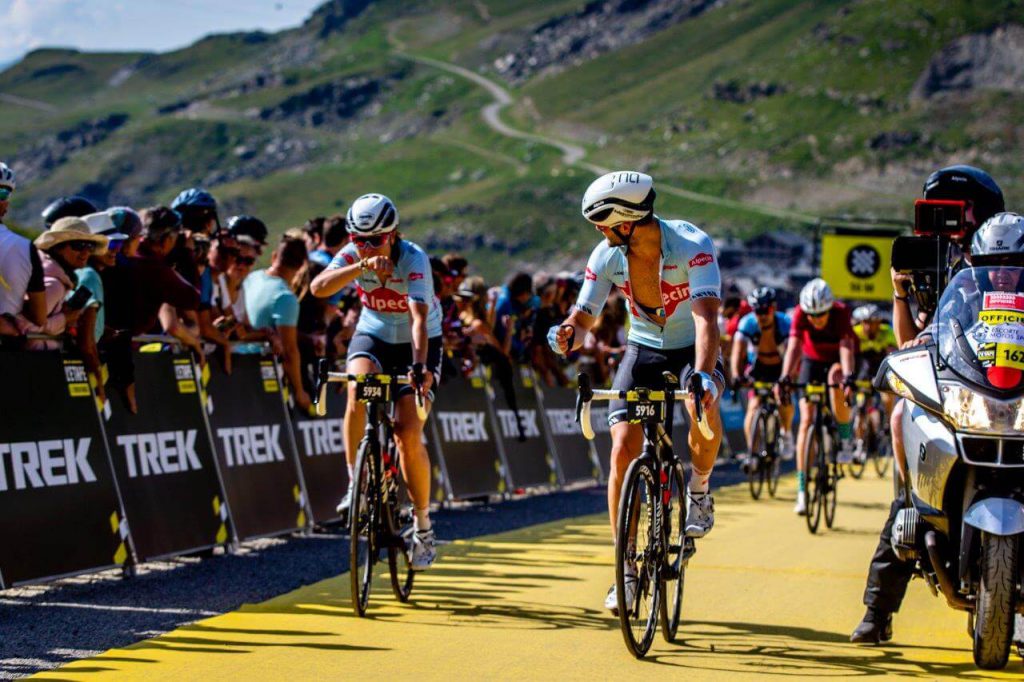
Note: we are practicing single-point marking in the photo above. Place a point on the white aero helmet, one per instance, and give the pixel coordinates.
(371, 214)
(866, 312)
(816, 297)
(1000, 240)
(619, 197)
(7, 177)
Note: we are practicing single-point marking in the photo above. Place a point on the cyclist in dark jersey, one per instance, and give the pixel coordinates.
(822, 349)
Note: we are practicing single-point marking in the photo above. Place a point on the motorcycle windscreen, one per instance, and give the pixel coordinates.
(980, 325)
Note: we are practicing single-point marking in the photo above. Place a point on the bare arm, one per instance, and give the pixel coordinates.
(87, 346)
(173, 327)
(35, 308)
(903, 323)
(848, 355)
(330, 282)
(706, 334)
(739, 351)
(418, 312)
(791, 359)
(292, 364)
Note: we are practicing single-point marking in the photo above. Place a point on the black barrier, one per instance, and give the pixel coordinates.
(58, 496)
(466, 440)
(530, 460)
(576, 458)
(321, 444)
(164, 460)
(255, 447)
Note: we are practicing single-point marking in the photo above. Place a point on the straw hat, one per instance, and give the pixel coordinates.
(70, 229)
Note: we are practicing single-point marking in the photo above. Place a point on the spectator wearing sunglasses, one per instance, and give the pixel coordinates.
(220, 255)
(22, 289)
(142, 291)
(65, 247)
(249, 231)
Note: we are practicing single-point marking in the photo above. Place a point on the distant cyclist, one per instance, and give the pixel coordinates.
(822, 349)
(399, 331)
(669, 274)
(875, 340)
(759, 342)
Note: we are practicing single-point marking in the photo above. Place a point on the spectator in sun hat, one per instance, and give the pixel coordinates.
(21, 269)
(65, 247)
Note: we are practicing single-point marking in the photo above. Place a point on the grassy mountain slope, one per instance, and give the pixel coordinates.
(790, 104)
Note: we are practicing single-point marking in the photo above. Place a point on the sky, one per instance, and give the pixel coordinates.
(118, 25)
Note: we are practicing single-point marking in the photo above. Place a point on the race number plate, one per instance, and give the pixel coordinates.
(644, 412)
(372, 392)
(1009, 355)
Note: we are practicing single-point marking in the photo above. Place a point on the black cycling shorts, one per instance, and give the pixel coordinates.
(814, 372)
(766, 373)
(396, 358)
(642, 366)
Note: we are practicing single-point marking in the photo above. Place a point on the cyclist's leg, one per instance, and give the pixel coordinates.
(704, 451)
(627, 441)
(362, 359)
(810, 372)
(843, 415)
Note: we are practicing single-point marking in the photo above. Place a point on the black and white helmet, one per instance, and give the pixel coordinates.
(619, 197)
(761, 297)
(371, 214)
(867, 312)
(816, 297)
(7, 177)
(1000, 240)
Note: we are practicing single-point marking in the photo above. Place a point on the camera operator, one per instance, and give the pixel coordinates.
(977, 197)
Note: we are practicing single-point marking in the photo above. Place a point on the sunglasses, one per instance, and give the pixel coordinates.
(763, 311)
(82, 245)
(115, 245)
(245, 260)
(818, 316)
(5, 193)
(372, 242)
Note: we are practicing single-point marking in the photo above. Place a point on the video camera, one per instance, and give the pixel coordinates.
(932, 254)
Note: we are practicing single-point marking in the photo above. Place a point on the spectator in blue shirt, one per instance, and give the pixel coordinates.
(514, 314)
(272, 306)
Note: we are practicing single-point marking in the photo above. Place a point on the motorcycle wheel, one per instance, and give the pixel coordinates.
(996, 606)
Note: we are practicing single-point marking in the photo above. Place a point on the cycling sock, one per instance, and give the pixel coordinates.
(351, 474)
(421, 520)
(845, 431)
(699, 480)
(801, 481)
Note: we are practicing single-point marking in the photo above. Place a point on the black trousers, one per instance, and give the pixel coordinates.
(888, 577)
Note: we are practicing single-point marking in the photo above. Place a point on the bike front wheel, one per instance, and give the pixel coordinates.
(363, 528)
(637, 558)
(814, 480)
(830, 487)
(674, 577)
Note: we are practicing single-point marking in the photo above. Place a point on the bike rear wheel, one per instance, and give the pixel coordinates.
(831, 486)
(757, 461)
(675, 559)
(638, 547)
(813, 478)
(773, 462)
(774, 473)
(364, 526)
(861, 424)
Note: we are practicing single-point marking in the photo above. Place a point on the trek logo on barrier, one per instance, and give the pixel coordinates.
(509, 428)
(464, 427)
(563, 422)
(322, 437)
(244, 445)
(165, 452)
(45, 464)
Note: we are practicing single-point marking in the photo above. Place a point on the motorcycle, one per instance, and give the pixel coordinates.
(963, 431)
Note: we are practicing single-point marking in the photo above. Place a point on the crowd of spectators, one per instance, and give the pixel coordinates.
(101, 278)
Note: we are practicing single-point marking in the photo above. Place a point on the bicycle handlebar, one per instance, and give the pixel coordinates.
(586, 395)
(325, 376)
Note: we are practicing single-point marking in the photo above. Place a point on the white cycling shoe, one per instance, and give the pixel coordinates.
(846, 452)
(700, 514)
(345, 503)
(801, 503)
(611, 602)
(787, 447)
(424, 552)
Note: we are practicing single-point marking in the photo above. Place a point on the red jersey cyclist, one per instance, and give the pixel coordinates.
(822, 349)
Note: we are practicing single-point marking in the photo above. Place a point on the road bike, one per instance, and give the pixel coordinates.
(823, 469)
(650, 530)
(871, 423)
(378, 521)
(765, 462)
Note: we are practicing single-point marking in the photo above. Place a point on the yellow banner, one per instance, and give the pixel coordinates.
(857, 266)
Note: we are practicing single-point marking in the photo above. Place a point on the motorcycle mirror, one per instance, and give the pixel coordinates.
(910, 374)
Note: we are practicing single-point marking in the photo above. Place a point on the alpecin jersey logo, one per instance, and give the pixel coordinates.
(671, 296)
(701, 259)
(384, 300)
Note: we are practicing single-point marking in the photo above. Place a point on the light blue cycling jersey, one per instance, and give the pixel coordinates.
(689, 270)
(385, 313)
(751, 331)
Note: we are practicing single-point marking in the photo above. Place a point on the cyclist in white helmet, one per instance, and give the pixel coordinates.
(821, 349)
(669, 274)
(399, 331)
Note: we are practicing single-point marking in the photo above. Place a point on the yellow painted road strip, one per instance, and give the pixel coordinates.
(763, 599)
